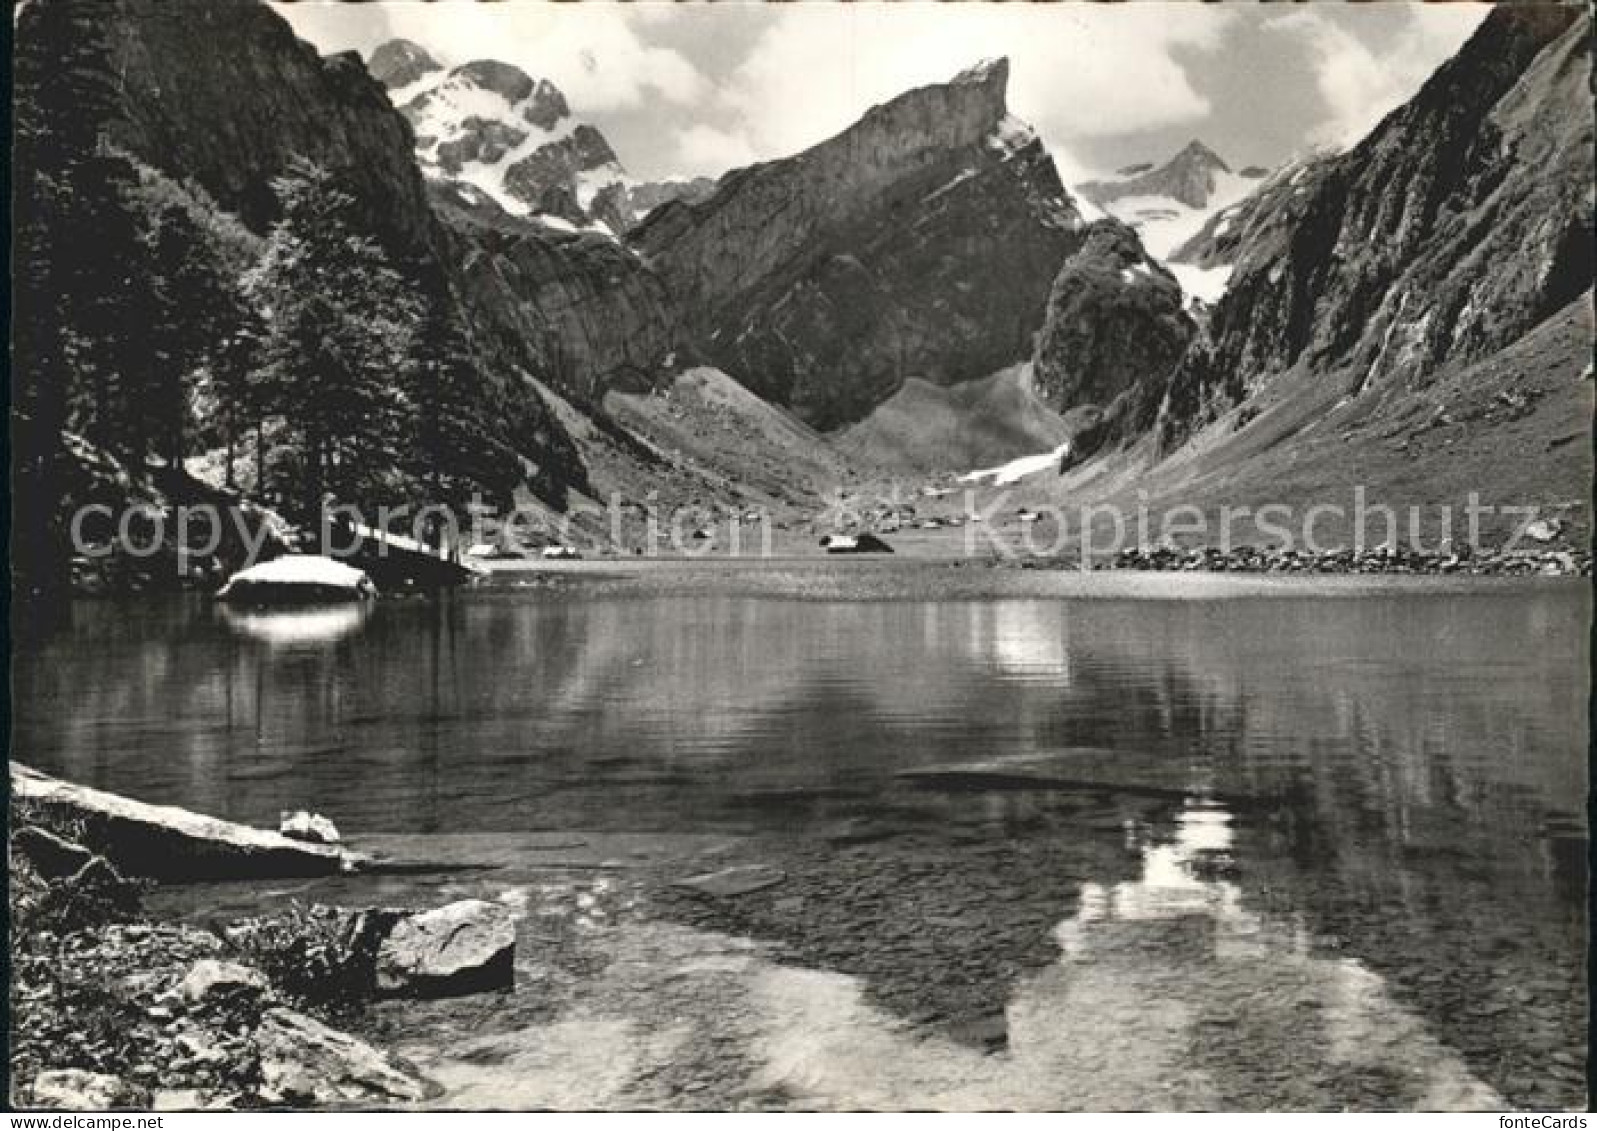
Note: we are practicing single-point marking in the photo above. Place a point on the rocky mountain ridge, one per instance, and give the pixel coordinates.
(1170, 204)
(920, 242)
(1219, 242)
(1456, 226)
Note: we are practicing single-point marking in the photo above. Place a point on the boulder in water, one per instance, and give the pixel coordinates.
(297, 579)
(465, 947)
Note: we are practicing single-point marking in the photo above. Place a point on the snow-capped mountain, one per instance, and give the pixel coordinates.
(490, 127)
(1168, 205)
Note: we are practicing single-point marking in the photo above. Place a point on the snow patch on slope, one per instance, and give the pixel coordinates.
(1017, 469)
(1164, 224)
(1206, 283)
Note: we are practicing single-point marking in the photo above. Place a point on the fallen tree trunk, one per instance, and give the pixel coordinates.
(163, 842)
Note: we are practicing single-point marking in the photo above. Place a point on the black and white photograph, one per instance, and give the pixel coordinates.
(816, 557)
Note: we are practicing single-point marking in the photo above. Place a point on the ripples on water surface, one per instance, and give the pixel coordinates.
(1389, 775)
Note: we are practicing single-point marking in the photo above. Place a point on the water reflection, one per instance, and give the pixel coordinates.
(1182, 876)
(1383, 796)
(297, 628)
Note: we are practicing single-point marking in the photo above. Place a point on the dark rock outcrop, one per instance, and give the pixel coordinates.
(1460, 223)
(921, 241)
(224, 94)
(399, 62)
(481, 139)
(506, 80)
(545, 106)
(1189, 177)
(1115, 318)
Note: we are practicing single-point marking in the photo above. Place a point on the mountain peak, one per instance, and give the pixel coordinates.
(988, 72)
(1197, 152)
(400, 62)
(1189, 177)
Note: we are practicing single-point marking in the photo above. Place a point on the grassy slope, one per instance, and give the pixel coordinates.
(1515, 427)
(705, 420)
(1463, 431)
(926, 427)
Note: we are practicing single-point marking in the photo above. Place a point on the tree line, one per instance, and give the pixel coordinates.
(305, 359)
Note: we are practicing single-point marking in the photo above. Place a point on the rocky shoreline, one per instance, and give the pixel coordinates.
(111, 1009)
(1385, 559)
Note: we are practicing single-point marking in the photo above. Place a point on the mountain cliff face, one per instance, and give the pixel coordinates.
(580, 302)
(1460, 223)
(223, 93)
(920, 242)
(1115, 319)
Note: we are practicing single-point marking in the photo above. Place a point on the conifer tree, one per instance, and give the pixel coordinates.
(338, 327)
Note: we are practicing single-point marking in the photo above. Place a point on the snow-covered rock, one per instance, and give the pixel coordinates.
(492, 127)
(297, 579)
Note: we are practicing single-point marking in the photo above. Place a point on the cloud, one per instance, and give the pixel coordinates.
(1361, 84)
(706, 149)
(592, 52)
(1075, 72)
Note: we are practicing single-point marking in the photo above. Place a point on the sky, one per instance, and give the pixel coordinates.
(687, 88)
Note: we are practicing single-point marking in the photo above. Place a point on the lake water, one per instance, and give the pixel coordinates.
(1381, 780)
